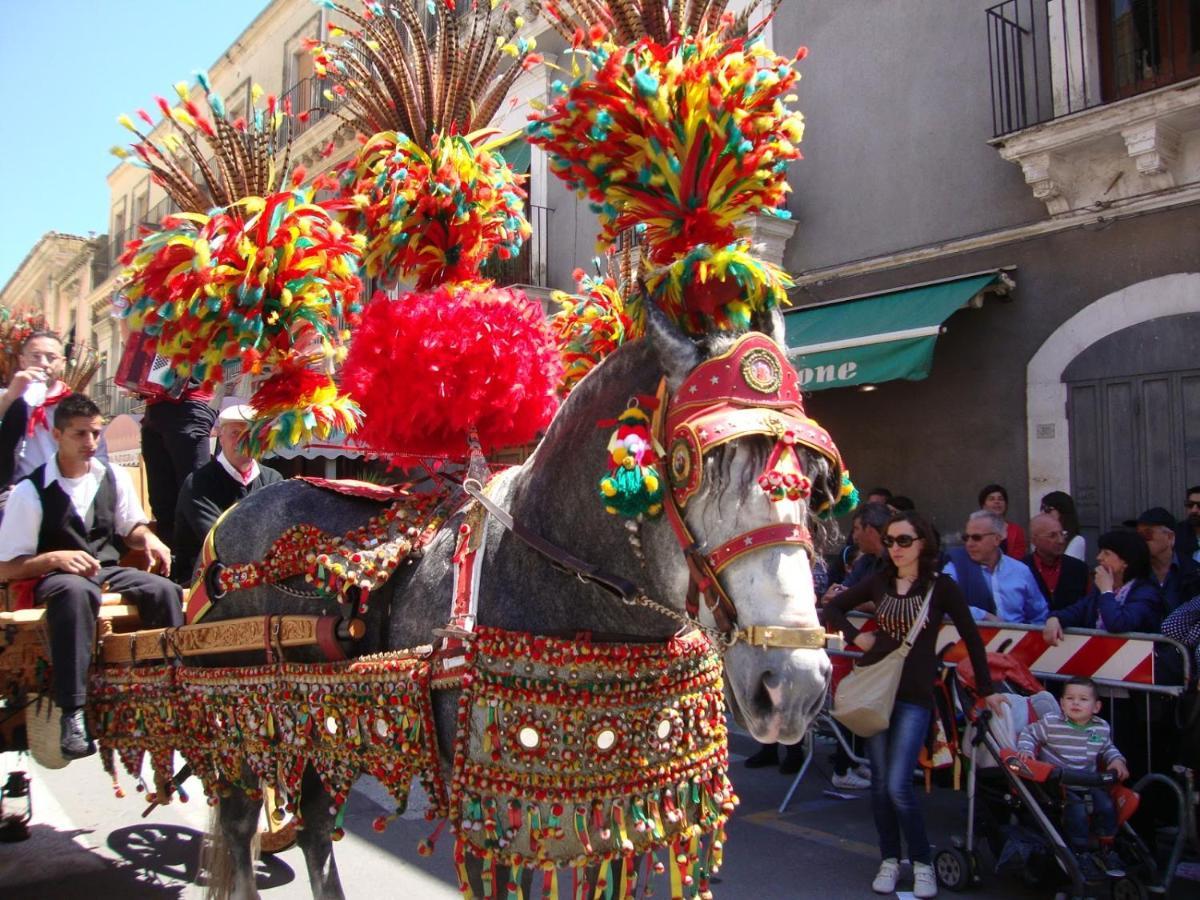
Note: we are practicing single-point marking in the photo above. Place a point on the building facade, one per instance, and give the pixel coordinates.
(994, 234)
(1049, 150)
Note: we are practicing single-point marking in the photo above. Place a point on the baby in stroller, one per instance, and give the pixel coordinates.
(1079, 739)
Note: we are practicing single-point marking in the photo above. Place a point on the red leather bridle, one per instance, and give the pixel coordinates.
(751, 389)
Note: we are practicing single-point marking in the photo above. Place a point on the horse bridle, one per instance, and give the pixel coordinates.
(749, 390)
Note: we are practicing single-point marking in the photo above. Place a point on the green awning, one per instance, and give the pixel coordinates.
(516, 153)
(878, 337)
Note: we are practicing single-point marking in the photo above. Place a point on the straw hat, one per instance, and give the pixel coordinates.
(241, 414)
(43, 731)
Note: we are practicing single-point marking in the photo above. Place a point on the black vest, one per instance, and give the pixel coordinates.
(1072, 582)
(12, 430)
(62, 529)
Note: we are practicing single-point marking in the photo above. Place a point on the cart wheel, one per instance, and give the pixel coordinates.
(1129, 888)
(953, 869)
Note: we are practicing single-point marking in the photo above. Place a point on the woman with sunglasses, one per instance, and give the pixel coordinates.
(1060, 505)
(898, 592)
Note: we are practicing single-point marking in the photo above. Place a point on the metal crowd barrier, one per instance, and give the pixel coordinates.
(1120, 664)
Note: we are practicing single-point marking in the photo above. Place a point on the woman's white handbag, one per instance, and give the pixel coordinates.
(865, 697)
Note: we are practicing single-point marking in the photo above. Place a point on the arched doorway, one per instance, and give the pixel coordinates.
(1113, 402)
(1133, 412)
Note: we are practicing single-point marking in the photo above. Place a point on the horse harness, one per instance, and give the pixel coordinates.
(749, 390)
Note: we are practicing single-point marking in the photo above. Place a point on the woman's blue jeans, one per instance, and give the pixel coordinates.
(893, 754)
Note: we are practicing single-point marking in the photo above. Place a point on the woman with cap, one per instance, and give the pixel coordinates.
(1123, 597)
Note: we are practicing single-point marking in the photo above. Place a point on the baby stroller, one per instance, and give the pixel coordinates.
(1014, 805)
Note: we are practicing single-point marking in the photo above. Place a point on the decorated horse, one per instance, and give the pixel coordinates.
(549, 648)
(550, 569)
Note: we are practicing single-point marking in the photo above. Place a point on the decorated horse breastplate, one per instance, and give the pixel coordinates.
(577, 754)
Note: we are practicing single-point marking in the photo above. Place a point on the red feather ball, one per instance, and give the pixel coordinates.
(430, 367)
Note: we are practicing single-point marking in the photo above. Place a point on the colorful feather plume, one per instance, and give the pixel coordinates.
(424, 68)
(423, 81)
(435, 216)
(605, 311)
(465, 362)
(203, 158)
(250, 274)
(264, 280)
(685, 139)
(297, 404)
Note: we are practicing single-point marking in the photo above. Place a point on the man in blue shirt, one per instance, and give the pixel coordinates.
(996, 586)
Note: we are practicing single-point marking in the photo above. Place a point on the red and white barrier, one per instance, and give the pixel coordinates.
(1101, 656)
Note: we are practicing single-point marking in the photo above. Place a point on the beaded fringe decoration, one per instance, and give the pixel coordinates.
(371, 715)
(365, 557)
(605, 760)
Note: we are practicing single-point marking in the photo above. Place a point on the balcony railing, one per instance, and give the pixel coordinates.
(309, 104)
(1051, 58)
(529, 266)
(112, 400)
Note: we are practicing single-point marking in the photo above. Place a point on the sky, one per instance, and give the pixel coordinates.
(70, 67)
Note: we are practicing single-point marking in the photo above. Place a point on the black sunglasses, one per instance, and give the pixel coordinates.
(903, 540)
(1193, 504)
(979, 537)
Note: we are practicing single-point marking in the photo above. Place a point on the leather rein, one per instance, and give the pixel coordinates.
(749, 390)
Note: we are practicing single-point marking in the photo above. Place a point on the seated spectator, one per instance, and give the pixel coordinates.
(994, 499)
(1062, 579)
(879, 495)
(1079, 739)
(1187, 532)
(216, 486)
(842, 563)
(64, 526)
(1173, 576)
(1060, 505)
(1123, 597)
(1183, 625)
(866, 530)
(997, 587)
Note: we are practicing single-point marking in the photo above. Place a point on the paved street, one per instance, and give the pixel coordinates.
(89, 844)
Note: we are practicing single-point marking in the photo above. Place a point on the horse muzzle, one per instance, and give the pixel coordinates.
(777, 691)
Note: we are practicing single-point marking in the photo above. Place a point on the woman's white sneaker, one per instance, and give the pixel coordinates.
(924, 880)
(885, 879)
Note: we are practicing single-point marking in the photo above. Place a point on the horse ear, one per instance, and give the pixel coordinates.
(676, 353)
(771, 324)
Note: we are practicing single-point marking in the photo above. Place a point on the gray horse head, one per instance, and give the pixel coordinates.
(775, 693)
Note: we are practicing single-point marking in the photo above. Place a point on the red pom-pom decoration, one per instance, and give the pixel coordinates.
(430, 368)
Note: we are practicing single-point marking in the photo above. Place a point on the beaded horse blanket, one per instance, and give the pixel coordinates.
(570, 757)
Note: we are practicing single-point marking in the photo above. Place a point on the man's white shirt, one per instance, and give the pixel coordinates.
(242, 478)
(23, 514)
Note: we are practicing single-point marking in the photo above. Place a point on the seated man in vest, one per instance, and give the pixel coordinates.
(1062, 579)
(216, 486)
(997, 587)
(64, 525)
